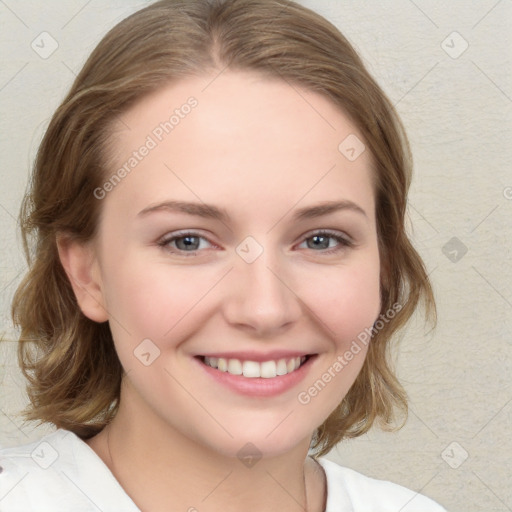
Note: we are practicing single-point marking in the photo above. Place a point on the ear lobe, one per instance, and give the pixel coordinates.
(81, 266)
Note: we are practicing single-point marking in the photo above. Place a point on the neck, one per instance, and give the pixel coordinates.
(172, 468)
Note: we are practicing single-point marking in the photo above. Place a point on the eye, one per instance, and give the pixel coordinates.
(326, 241)
(184, 242)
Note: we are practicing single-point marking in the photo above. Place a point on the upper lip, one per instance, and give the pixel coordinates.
(258, 356)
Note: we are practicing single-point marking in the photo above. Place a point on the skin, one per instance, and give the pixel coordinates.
(261, 150)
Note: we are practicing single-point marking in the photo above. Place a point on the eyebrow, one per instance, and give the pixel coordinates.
(213, 212)
(198, 209)
(311, 212)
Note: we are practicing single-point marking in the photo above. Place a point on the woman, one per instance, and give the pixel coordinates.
(220, 263)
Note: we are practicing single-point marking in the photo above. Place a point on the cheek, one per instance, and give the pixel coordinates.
(346, 300)
(151, 300)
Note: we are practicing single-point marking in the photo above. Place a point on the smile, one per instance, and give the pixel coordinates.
(257, 375)
(253, 369)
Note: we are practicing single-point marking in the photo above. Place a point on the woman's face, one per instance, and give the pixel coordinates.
(240, 237)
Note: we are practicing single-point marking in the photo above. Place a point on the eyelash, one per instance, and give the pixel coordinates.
(343, 242)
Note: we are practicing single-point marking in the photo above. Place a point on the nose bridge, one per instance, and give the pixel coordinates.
(261, 299)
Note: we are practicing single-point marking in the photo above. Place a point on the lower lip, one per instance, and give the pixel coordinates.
(258, 386)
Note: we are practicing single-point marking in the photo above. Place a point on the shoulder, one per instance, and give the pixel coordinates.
(350, 490)
(58, 473)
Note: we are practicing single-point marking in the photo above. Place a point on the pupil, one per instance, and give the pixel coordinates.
(320, 241)
(189, 242)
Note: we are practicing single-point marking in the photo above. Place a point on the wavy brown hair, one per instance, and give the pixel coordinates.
(73, 371)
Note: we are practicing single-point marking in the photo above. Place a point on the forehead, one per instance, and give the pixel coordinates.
(238, 138)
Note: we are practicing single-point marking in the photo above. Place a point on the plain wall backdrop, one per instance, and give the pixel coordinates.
(447, 68)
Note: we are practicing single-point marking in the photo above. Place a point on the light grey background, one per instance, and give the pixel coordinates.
(457, 108)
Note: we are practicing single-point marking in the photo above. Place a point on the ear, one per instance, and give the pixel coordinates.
(81, 266)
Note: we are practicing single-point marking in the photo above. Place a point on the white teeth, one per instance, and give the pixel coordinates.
(234, 367)
(253, 369)
(268, 369)
(222, 364)
(281, 367)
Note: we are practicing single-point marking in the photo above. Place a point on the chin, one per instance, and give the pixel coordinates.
(257, 440)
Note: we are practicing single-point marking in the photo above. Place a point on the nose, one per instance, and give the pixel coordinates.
(260, 299)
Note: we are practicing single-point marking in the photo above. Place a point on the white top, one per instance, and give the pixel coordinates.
(61, 473)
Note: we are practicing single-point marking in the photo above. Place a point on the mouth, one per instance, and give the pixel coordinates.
(269, 369)
(257, 375)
